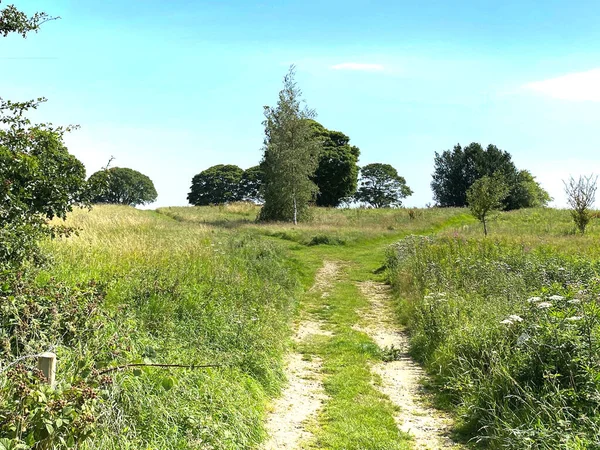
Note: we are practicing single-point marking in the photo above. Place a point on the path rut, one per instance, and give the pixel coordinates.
(401, 379)
(304, 395)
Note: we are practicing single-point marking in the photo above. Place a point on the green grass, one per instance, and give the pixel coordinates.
(211, 285)
(357, 415)
(518, 374)
(182, 293)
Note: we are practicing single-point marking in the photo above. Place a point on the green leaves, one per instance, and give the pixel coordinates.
(381, 186)
(120, 185)
(216, 185)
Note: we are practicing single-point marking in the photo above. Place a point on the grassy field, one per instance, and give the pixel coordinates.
(181, 294)
(508, 325)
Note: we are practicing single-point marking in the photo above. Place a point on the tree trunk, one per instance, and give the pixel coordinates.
(295, 209)
(484, 227)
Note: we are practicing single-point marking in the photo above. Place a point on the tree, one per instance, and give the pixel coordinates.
(581, 195)
(337, 173)
(14, 21)
(39, 179)
(290, 156)
(120, 185)
(251, 185)
(485, 196)
(216, 185)
(457, 169)
(527, 193)
(381, 186)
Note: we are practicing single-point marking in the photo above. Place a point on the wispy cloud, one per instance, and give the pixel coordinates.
(578, 86)
(362, 67)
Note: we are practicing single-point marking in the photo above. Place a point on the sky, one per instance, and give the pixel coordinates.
(171, 88)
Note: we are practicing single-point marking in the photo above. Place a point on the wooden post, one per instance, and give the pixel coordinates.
(47, 364)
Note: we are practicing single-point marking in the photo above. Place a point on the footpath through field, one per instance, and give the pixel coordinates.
(341, 393)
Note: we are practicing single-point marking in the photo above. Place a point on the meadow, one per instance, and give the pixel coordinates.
(507, 325)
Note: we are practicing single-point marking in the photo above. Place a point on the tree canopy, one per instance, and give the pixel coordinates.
(457, 169)
(336, 175)
(216, 185)
(120, 185)
(380, 186)
(251, 185)
(290, 156)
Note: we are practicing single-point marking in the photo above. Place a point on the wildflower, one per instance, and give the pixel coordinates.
(515, 318)
(544, 305)
(534, 299)
(575, 301)
(556, 298)
(506, 322)
(574, 318)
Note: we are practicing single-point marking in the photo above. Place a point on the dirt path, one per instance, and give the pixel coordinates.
(400, 379)
(304, 394)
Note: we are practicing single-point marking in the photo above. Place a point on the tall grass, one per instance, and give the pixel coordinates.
(510, 328)
(178, 293)
(328, 226)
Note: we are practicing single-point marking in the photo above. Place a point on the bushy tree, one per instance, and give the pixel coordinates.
(581, 195)
(527, 193)
(251, 185)
(290, 157)
(216, 185)
(457, 169)
(337, 172)
(485, 196)
(39, 180)
(120, 185)
(380, 186)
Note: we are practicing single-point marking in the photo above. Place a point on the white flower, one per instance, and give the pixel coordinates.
(515, 318)
(507, 322)
(575, 301)
(556, 298)
(544, 305)
(574, 318)
(534, 299)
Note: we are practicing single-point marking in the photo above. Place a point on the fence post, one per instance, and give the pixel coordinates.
(47, 364)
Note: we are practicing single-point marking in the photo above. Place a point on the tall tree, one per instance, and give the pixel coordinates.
(457, 169)
(290, 157)
(381, 186)
(337, 173)
(216, 185)
(120, 185)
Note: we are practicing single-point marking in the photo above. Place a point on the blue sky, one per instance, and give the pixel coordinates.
(171, 88)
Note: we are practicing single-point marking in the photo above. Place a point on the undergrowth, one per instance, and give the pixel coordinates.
(510, 330)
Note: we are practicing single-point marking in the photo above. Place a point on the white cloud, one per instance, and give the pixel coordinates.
(579, 86)
(358, 67)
